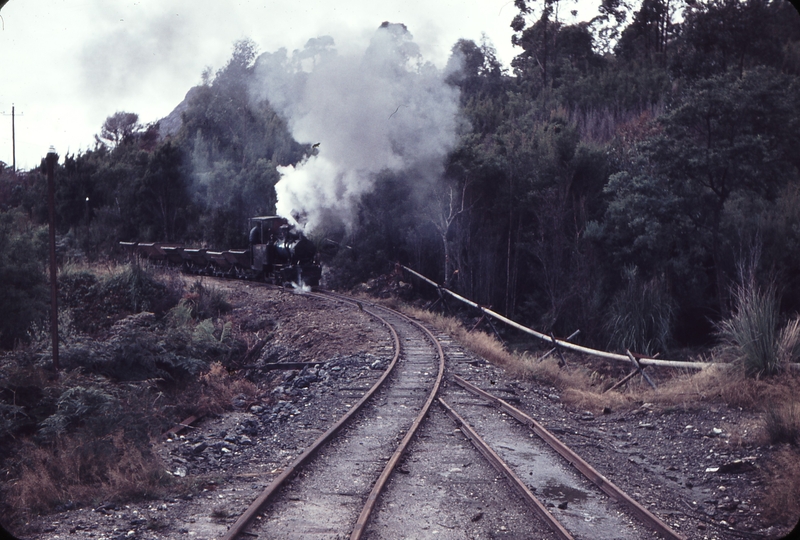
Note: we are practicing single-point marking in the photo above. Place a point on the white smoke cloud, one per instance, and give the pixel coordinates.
(383, 109)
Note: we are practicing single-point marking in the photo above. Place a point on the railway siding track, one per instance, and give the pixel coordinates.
(444, 488)
(566, 503)
(589, 472)
(579, 498)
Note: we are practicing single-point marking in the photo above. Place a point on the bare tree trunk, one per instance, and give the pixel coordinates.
(515, 269)
(507, 302)
(443, 221)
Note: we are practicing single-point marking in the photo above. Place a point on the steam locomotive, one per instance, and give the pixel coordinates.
(277, 253)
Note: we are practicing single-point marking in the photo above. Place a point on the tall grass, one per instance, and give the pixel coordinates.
(641, 316)
(781, 499)
(751, 333)
(206, 301)
(782, 423)
(81, 470)
(789, 342)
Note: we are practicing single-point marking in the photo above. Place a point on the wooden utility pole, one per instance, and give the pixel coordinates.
(13, 142)
(52, 159)
(13, 139)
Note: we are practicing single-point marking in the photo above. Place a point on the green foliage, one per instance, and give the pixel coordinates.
(119, 127)
(723, 35)
(649, 35)
(96, 302)
(704, 181)
(12, 418)
(80, 405)
(235, 143)
(76, 286)
(231, 195)
(176, 354)
(181, 316)
(205, 335)
(24, 292)
(162, 193)
(136, 289)
(207, 302)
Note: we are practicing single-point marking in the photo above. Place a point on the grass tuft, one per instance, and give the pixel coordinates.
(782, 423)
(219, 388)
(789, 342)
(641, 316)
(207, 302)
(750, 334)
(781, 499)
(78, 471)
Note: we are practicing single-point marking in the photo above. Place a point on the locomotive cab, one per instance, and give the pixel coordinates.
(281, 253)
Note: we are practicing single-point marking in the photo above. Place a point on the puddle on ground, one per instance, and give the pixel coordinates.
(579, 505)
(563, 493)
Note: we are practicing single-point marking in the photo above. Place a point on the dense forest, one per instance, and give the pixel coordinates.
(626, 172)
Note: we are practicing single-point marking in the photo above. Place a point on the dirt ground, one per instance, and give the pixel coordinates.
(699, 467)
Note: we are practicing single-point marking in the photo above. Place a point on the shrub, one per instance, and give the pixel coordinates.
(136, 351)
(750, 334)
(75, 284)
(12, 418)
(207, 302)
(181, 316)
(203, 339)
(23, 283)
(78, 291)
(82, 470)
(98, 300)
(136, 289)
(789, 342)
(79, 405)
(218, 388)
(641, 316)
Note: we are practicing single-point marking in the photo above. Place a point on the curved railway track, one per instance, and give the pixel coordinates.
(322, 494)
(334, 488)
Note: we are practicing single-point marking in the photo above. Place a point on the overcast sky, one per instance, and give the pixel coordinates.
(66, 65)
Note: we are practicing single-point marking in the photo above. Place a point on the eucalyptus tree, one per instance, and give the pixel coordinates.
(723, 153)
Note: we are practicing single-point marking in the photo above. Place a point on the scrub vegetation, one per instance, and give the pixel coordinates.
(128, 373)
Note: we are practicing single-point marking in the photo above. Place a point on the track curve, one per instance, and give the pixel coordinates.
(322, 494)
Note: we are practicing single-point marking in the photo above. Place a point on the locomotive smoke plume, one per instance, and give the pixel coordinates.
(383, 109)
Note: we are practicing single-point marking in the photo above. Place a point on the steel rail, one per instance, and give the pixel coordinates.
(605, 485)
(372, 499)
(183, 425)
(502, 467)
(255, 507)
